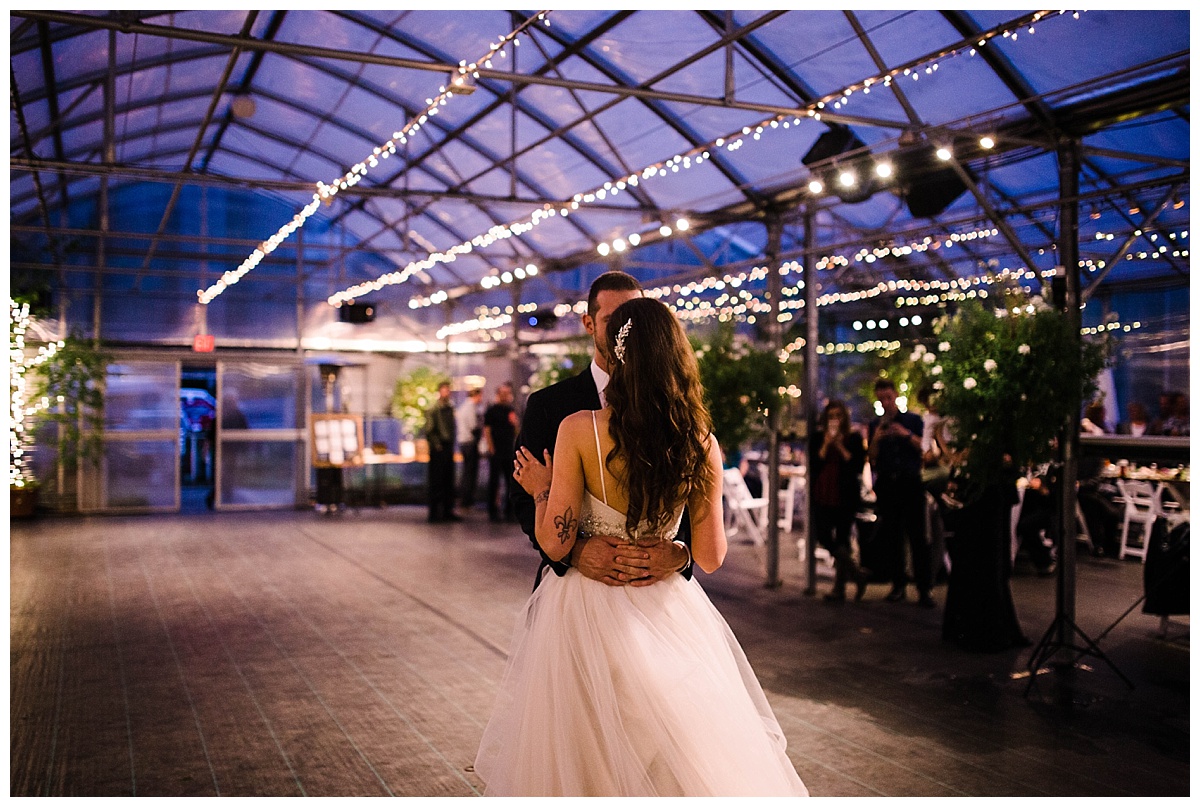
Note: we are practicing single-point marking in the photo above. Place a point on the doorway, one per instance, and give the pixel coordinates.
(197, 436)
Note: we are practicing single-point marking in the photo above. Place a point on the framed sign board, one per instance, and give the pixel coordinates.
(337, 440)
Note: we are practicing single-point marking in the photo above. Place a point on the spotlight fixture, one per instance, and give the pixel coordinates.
(883, 170)
(987, 142)
(816, 186)
(943, 153)
(841, 162)
(460, 84)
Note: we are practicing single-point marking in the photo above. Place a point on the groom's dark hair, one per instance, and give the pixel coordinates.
(613, 280)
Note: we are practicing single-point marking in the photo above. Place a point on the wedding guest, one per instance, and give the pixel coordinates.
(837, 474)
(1179, 423)
(1093, 419)
(499, 435)
(468, 421)
(1138, 423)
(1166, 412)
(894, 448)
(440, 432)
(1035, 524)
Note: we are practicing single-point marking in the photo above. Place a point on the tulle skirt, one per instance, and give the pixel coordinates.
(620, 691)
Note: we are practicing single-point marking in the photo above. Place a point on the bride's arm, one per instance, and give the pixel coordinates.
(708, 517)
(557, 490)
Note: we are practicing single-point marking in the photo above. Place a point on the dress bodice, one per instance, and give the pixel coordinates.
(597, 518)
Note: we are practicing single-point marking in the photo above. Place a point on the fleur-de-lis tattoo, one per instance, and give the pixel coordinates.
(566, 524)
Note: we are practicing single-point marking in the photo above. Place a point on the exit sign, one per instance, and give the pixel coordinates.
(203, 343)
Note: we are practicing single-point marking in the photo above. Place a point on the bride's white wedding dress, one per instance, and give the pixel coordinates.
(629, 691)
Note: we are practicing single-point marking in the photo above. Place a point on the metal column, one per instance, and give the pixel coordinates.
(808, 394)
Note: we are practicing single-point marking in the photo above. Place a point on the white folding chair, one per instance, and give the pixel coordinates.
(744, 512)
(1141, 509)
(791, 486)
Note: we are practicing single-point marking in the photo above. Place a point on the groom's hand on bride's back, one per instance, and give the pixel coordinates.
(666, 558)
(614, 561)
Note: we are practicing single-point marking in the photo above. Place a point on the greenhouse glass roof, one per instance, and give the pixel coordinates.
(448, 166)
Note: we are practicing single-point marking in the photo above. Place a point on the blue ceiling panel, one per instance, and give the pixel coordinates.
(600, 95)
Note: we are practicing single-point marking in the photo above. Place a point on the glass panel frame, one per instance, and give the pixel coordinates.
(262, 409)
(141, 411)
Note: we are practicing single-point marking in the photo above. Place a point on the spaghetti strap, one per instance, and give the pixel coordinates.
(596, 432)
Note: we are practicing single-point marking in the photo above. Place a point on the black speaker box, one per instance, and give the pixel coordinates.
(357, 313)
(930, 185)
(832, 143)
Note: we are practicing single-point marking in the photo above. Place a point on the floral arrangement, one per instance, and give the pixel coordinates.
(1008, 379)
(413, 396)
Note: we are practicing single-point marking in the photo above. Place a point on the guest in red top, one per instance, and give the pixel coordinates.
(837, 476)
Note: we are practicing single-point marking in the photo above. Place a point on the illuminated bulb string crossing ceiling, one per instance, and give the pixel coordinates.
(695, 156)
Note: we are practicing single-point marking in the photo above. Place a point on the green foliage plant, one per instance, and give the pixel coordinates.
(1009, 379)
(72, 380)
(741, 385)
(553, 369)
(413, 396)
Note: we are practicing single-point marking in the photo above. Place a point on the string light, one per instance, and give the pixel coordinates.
(20, 435)
(326, 192)
(692, 158)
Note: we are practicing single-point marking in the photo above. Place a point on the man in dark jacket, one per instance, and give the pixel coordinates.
(440, 431)
(609, 559)
(895, 452)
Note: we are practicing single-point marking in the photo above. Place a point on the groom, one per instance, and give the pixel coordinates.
(608, 558)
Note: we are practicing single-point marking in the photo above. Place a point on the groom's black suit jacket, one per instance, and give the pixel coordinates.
(544, 412)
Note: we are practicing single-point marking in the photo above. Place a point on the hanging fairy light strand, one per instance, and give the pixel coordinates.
(20, 436)
(693, 157)
(459, 84)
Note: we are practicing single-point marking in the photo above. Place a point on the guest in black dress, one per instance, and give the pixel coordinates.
(979, 613)
(837, 479)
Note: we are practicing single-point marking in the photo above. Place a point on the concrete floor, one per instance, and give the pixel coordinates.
(301, 654)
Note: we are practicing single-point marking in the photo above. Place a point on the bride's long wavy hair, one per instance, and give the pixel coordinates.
(659, 423)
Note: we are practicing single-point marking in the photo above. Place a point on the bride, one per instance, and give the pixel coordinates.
(620, 690)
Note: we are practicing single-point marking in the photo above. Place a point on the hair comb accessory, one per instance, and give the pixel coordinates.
(619, 347)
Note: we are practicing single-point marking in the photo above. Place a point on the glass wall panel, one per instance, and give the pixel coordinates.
(141, 397)
(134, 475)
(261, 396)
(259, 473)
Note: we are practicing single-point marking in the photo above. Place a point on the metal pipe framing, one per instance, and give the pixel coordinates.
(994, 215)
(774, 223)
(1133, 236)
(294, 50)
(230, 63)
(1068, 238)
(809, 392)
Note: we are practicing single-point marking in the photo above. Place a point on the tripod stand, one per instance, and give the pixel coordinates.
(1063, 633)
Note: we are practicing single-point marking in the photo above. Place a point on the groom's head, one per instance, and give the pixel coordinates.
(607, 292)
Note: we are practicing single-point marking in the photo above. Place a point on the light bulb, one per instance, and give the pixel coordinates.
(943, 153)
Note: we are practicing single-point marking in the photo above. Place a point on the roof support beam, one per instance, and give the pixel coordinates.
(218, 91)
(1147, 220)
(288, 49)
